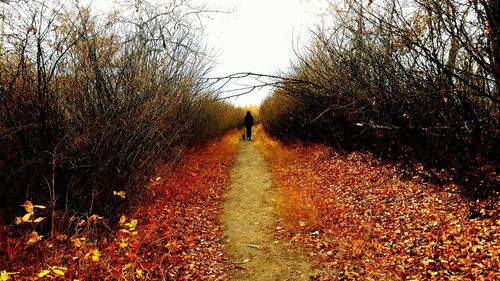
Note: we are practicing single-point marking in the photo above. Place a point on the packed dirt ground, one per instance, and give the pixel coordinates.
(249, 224)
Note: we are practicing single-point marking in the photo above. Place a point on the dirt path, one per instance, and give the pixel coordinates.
(248, 220)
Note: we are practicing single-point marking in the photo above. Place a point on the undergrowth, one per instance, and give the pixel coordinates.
(363, 218)
(172, 232)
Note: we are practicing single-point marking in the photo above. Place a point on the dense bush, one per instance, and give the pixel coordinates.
(89, 105)
(415, 79)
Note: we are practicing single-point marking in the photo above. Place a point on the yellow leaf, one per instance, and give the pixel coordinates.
(433, 273)
(58, 272)
(123, 244)
(123, 219)
(95, 255)
(43, 273)
(28, 206)
(4, 275)
(77, 241)
(94, 217)
(132, 224)
(39, 206)
(427, 261)
(158, 179)
(19, 220)
(34, 237)
(127, 266)
(26, 217)
(120, 193)
(39, 219)
(138, 272)
(301, 223)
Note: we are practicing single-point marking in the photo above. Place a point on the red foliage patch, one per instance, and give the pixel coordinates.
(182, 236)
(366, 221)
(174, 234)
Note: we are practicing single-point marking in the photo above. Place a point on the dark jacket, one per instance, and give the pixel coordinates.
(248, 121)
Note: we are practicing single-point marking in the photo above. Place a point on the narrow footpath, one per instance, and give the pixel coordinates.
(249, 223)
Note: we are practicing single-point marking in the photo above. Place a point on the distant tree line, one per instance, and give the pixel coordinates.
(89, 105)
(418, 79)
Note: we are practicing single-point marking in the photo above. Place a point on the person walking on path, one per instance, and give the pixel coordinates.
(248, 122)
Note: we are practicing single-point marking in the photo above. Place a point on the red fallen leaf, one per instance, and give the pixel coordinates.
(364, 206)
(175, 260)
(116, 270)
(112, 248)
(131, 255)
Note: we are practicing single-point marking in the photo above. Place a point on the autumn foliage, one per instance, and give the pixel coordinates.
(171, 234)
(366, 219)
(404, 79)
(90, 104)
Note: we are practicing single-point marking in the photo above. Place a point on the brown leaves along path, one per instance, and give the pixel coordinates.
(249, 222)
(362, 218)
(172, 232)
(359, 218)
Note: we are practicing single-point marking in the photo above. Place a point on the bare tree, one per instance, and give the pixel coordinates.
(401, 77)
(89, 105)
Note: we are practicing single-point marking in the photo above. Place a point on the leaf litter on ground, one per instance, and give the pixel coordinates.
(173, 233)
(363, 219)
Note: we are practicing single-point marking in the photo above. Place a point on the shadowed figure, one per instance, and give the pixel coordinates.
(248, 122)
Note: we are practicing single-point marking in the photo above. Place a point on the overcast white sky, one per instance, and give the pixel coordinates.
(258, 36)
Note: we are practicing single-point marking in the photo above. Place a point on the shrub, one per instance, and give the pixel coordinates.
(420, 84)
(89, 105)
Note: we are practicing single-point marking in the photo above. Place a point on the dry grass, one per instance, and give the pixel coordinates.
(294, 203)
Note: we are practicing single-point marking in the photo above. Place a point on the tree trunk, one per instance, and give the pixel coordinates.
(493, 15)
